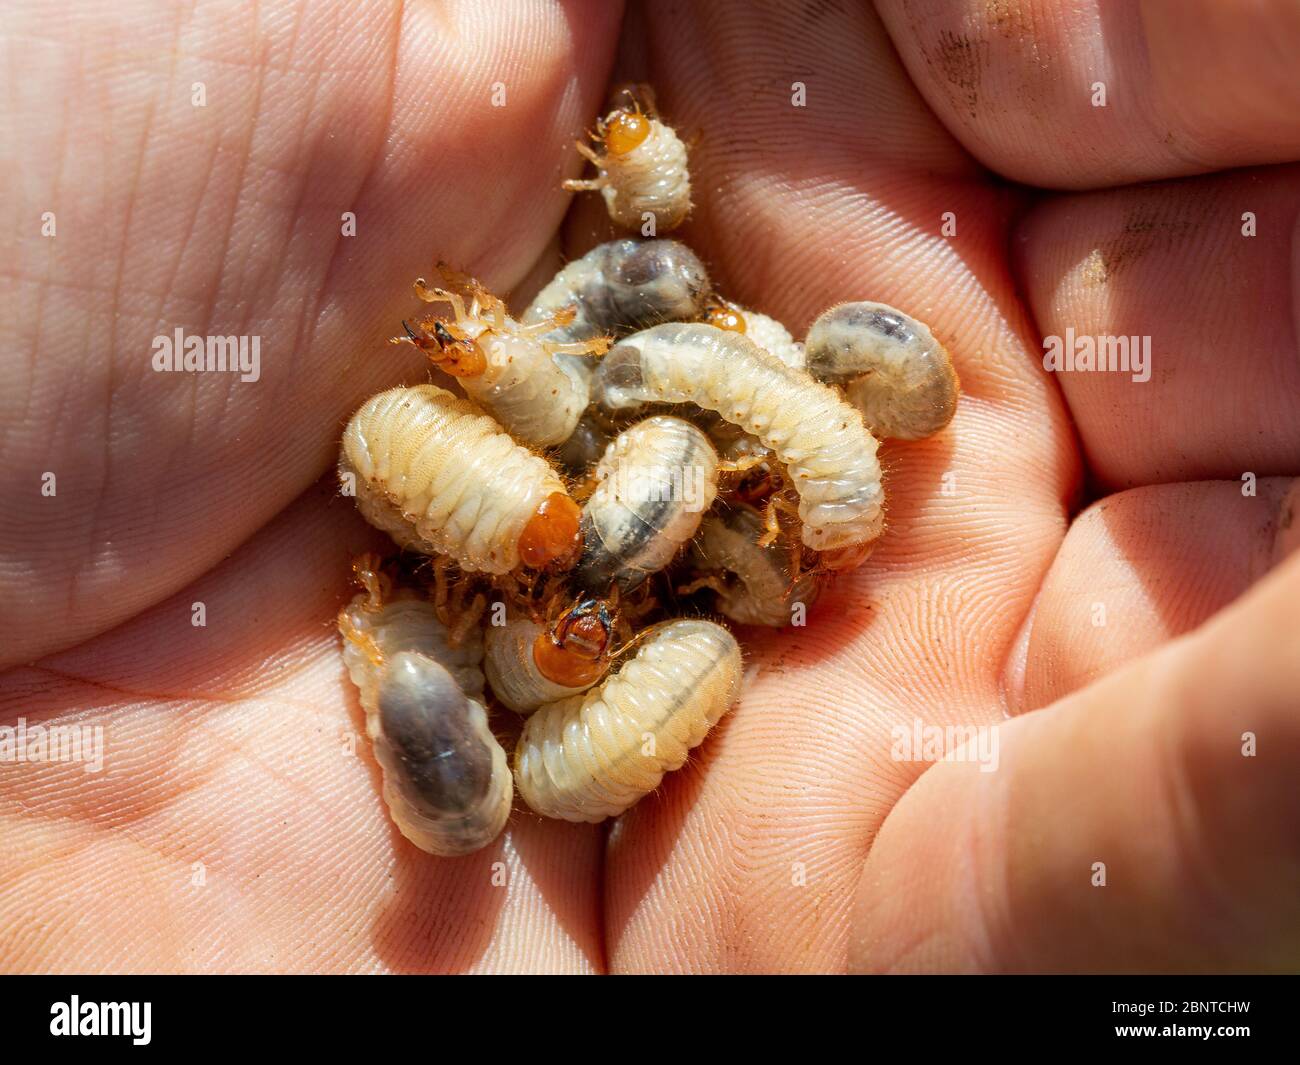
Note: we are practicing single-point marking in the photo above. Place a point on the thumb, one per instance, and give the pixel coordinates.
(1147, 822)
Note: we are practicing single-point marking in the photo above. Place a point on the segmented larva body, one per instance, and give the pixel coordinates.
(441, 477)
(756, 586)
(766, 332)
(528, 663)
(642, 170)
(829, 455)
(592, 756)
(621, 286)
(655, 482)
(890, 365)
(508, 367)
(536, 397)
(447, 782)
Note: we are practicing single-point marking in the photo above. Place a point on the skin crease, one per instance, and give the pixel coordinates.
(775, 849)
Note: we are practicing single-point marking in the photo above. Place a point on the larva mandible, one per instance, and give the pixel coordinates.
(529, 663)
(592, 756)
(890, 365)
(447, 782)
(754, 584)
(829, 455)
(507, 367)
(641, 166)
(655, 482)
(441, 477)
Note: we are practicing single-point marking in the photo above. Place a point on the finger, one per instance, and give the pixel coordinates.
(747, 859)
(1145, 823)
(282, 173)
(1142, 567)
(236, 822)
(1092, 94)
(1197, 280)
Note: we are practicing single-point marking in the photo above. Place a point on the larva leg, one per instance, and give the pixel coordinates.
(368, 573)
(441, 295)
(710, 580)
(585, 184)
(468, 618)
(740, 465)
(360, 638)
(594, 346)
(771, 521)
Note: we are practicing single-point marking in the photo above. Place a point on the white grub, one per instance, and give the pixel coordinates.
(641, 165)
(890, 366)
(529, 663)
(441, 477)
(447, 782)
(592, 756)
(507, 367)
(621, 286)
(655, 482)
(829, 456)
(754, 585)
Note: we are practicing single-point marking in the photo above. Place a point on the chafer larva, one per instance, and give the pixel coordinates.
(447, 782)
(829, 456)
(621, 286)
(506, 366)
(890, 365)
(641, 164)
(592, 756)
(655, 482)
(755, 584)
(529, 663)
(441, 477)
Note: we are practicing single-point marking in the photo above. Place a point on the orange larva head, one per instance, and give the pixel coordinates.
(722, 317)
(551, 535)
(575, 650)
(447, 347)
(623, 131)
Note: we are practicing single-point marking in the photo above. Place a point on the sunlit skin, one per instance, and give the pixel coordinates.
(237, 744)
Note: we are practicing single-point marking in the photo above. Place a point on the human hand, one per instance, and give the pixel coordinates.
(237, 824)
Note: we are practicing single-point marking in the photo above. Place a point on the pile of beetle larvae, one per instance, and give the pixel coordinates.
(603, 476)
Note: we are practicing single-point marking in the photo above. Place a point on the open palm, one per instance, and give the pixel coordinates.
(237, 823)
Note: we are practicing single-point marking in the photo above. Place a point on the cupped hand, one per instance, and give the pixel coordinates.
(284, 170)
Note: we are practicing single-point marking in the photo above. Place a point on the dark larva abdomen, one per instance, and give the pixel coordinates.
(426, 719)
